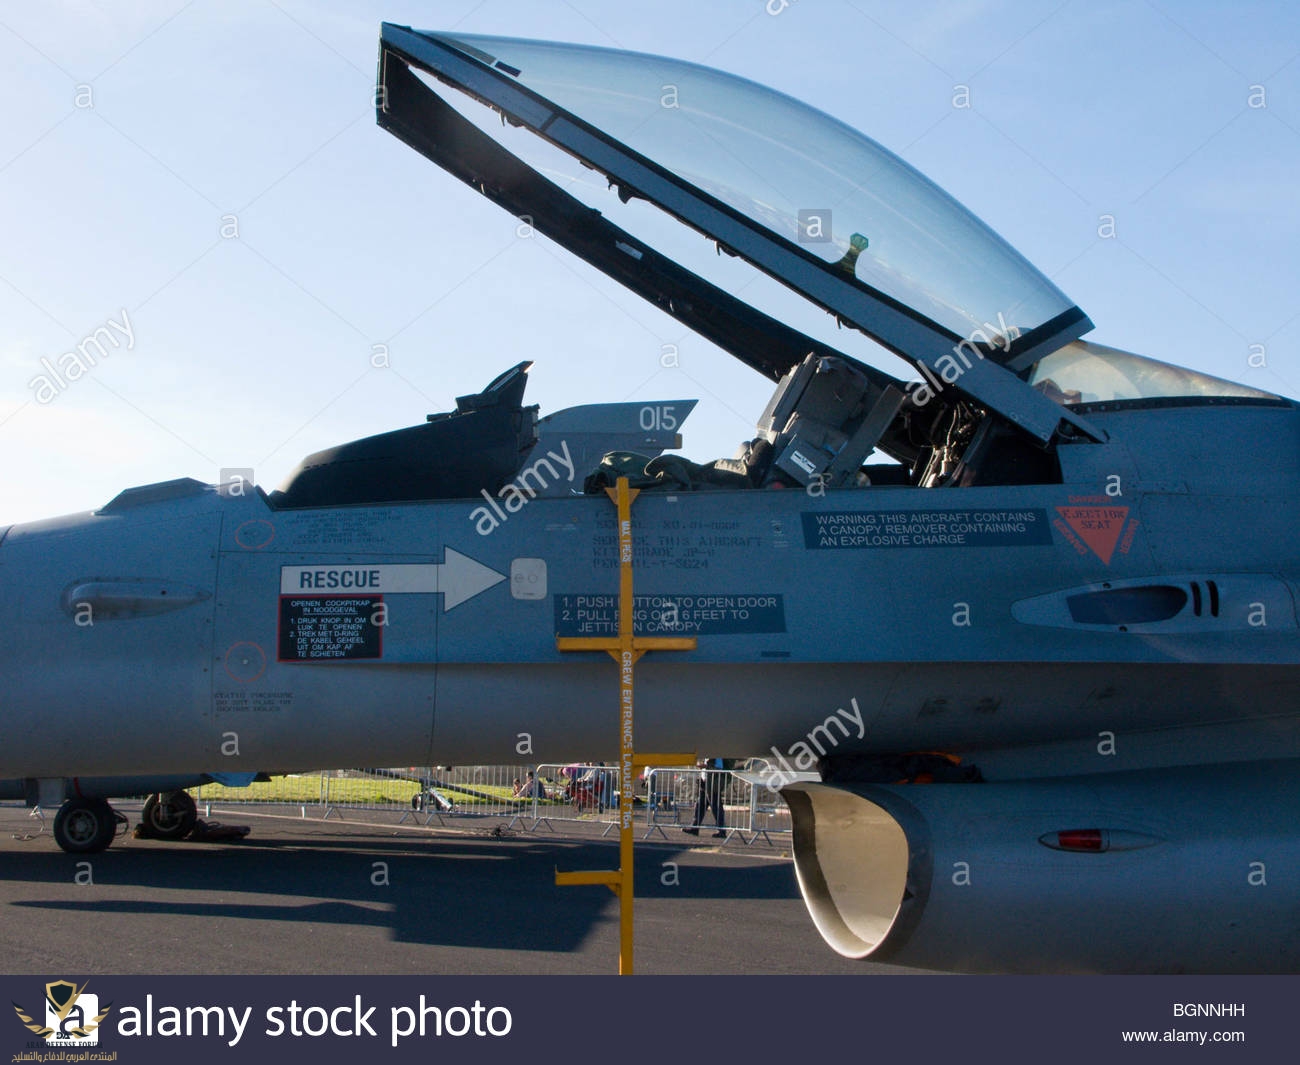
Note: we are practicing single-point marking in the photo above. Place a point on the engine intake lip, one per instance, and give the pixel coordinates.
(863, 879)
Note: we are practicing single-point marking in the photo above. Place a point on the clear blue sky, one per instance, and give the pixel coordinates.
(256, 350)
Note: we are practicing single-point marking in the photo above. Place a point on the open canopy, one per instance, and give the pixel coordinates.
(803, 197)
(795, 170)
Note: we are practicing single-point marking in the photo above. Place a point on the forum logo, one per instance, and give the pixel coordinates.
(72, 1017)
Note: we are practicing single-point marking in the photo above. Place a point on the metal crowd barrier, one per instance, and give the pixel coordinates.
(574, 792)
(684, 798)
(766, 812)
(302, 790)
(424, 793)
(481, 791)
(578, 791)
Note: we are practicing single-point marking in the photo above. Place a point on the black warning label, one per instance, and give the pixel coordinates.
(316, 628)
(926, 528)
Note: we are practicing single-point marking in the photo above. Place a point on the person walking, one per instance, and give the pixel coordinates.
(712, 780)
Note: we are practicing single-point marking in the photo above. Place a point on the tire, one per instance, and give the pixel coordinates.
(85, 826)
(170, 816)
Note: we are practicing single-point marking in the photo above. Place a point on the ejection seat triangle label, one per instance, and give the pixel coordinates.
(1098, 527)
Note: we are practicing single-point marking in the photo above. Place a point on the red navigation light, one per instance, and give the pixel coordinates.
(1077, 839)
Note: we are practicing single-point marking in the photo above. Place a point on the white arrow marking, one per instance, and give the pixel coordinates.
(458, 578)
(461, 578)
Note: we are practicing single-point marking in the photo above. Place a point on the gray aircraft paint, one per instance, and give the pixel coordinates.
(971, 620)
(875, 624)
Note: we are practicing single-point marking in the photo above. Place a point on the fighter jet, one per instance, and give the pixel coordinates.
(1028, 609)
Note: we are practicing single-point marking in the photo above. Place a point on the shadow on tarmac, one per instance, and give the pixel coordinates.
(467, 892)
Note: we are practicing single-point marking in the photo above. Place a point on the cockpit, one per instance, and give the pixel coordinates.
(828, 425)
(1004, 379)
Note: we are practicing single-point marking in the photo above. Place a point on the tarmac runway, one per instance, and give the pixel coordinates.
(329, 897)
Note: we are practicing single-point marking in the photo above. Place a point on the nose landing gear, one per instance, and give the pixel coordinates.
(86, 826)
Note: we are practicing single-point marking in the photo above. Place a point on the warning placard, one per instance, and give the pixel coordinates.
(1099, 527)
(671, 615)
(926, 528)
(328, 628)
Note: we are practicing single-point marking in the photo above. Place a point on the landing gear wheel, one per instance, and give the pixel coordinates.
(85, 826)
(170, 815)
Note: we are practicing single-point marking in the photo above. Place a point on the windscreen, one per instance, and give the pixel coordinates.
(1092, 373)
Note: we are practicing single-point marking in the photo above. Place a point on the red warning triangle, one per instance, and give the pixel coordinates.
(1098, 527)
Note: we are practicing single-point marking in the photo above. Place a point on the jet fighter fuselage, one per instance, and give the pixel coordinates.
(1031, 615)
(186, 628)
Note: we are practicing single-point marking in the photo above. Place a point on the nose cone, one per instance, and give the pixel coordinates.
(107, 624)
(10, 626)
(7, 600)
